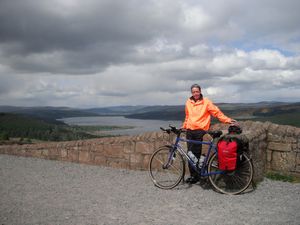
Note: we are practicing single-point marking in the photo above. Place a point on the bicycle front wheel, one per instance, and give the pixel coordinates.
(231, 182)
(166, 170)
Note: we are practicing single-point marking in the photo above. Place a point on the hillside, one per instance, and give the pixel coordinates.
(41, 122)
(276, 112)
(47, 114)
(24, 126)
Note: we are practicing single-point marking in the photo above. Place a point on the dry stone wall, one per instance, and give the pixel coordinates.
(271, 146)
(128, 152)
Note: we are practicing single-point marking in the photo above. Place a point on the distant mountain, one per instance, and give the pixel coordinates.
(115, 110)
(48, 114)
(277, 112)
(159, 113)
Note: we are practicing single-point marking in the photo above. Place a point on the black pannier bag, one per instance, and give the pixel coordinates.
(230, 146)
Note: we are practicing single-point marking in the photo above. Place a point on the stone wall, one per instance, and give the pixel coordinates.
(129, 152)
(283, 150)
(271, 146)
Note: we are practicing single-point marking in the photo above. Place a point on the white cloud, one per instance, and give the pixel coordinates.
(114, 52)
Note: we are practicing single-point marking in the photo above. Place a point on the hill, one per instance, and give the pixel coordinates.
(24, 126)
(48, 114)
(41, 122)
(276, 112)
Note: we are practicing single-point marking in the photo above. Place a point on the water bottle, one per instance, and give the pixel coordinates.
(192, 156)
(201, 160)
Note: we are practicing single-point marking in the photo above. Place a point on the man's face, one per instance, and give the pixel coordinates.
(196, 93)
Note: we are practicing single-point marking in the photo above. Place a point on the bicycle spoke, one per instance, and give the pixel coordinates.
(232, 182)
(169, 176)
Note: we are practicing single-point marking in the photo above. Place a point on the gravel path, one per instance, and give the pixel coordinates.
(35, 191)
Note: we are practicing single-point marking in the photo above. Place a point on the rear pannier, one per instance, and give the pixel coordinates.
(230, 148)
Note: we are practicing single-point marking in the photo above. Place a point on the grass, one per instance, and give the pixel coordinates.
(291, 119)
(282, 177)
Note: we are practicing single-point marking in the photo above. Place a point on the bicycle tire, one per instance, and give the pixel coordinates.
(170, 177)
(231, 182)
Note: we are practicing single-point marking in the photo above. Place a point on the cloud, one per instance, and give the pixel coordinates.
(114, 52)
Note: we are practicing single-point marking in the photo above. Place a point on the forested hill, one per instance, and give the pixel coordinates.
(24, 126)
(47, 114)
(276, 112)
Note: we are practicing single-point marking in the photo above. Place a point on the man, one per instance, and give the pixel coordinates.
(198, 112)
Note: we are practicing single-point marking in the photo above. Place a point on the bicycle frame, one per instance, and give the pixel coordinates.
(203, 172)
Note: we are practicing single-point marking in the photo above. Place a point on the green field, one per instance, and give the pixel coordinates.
(292, 119)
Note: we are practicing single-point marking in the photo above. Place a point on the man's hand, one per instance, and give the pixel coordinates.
(234, 122)
(183, 129)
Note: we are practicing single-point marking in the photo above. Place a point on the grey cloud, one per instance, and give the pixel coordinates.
(147, 52)
(95, 35)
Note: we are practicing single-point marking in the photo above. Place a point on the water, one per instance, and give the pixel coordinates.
(140, 126)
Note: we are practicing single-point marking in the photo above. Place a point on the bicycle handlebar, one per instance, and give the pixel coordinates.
(172, 129)
(178, 131)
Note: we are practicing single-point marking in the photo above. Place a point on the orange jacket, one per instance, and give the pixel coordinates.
(198, 114)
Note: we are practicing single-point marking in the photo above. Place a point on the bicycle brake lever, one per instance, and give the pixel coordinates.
(163, 129)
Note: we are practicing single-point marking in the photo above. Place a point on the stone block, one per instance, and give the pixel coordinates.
(295, 147)
(290, 140)
(136, 166)
(22, 152)
(34, 153)
(274, 137)
(2, 149)
(145, 148)
(283, 161)
(63, 153)
(269, 156)
(136, 158)
(45, 153)
(266, 125)
(73, 155)
(96, 148)
(129, 147)
(268, 165)
(262, 145)
(290, 131)
(54, 157)
(283, 147)
(146, 160)
(13, 151)
(158, 144)
(297, 170)
(53, 152)
(114, 150)
(100, 160)
(119, 164)
(84, 157)
(298, 159)
(136, 161)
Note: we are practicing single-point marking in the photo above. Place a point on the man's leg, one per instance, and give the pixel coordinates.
(196, 150)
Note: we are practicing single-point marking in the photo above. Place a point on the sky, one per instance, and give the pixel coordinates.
(98, 53)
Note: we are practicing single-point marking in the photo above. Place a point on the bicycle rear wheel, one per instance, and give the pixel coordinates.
(231, 182)
(165, 173)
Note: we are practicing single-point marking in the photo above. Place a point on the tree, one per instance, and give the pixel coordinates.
(4, 136)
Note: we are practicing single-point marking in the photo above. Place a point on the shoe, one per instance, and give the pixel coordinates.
(192, 180)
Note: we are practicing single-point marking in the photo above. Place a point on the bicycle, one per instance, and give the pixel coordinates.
(167, 166)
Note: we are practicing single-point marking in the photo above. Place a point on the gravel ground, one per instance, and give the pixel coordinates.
(35, 191)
